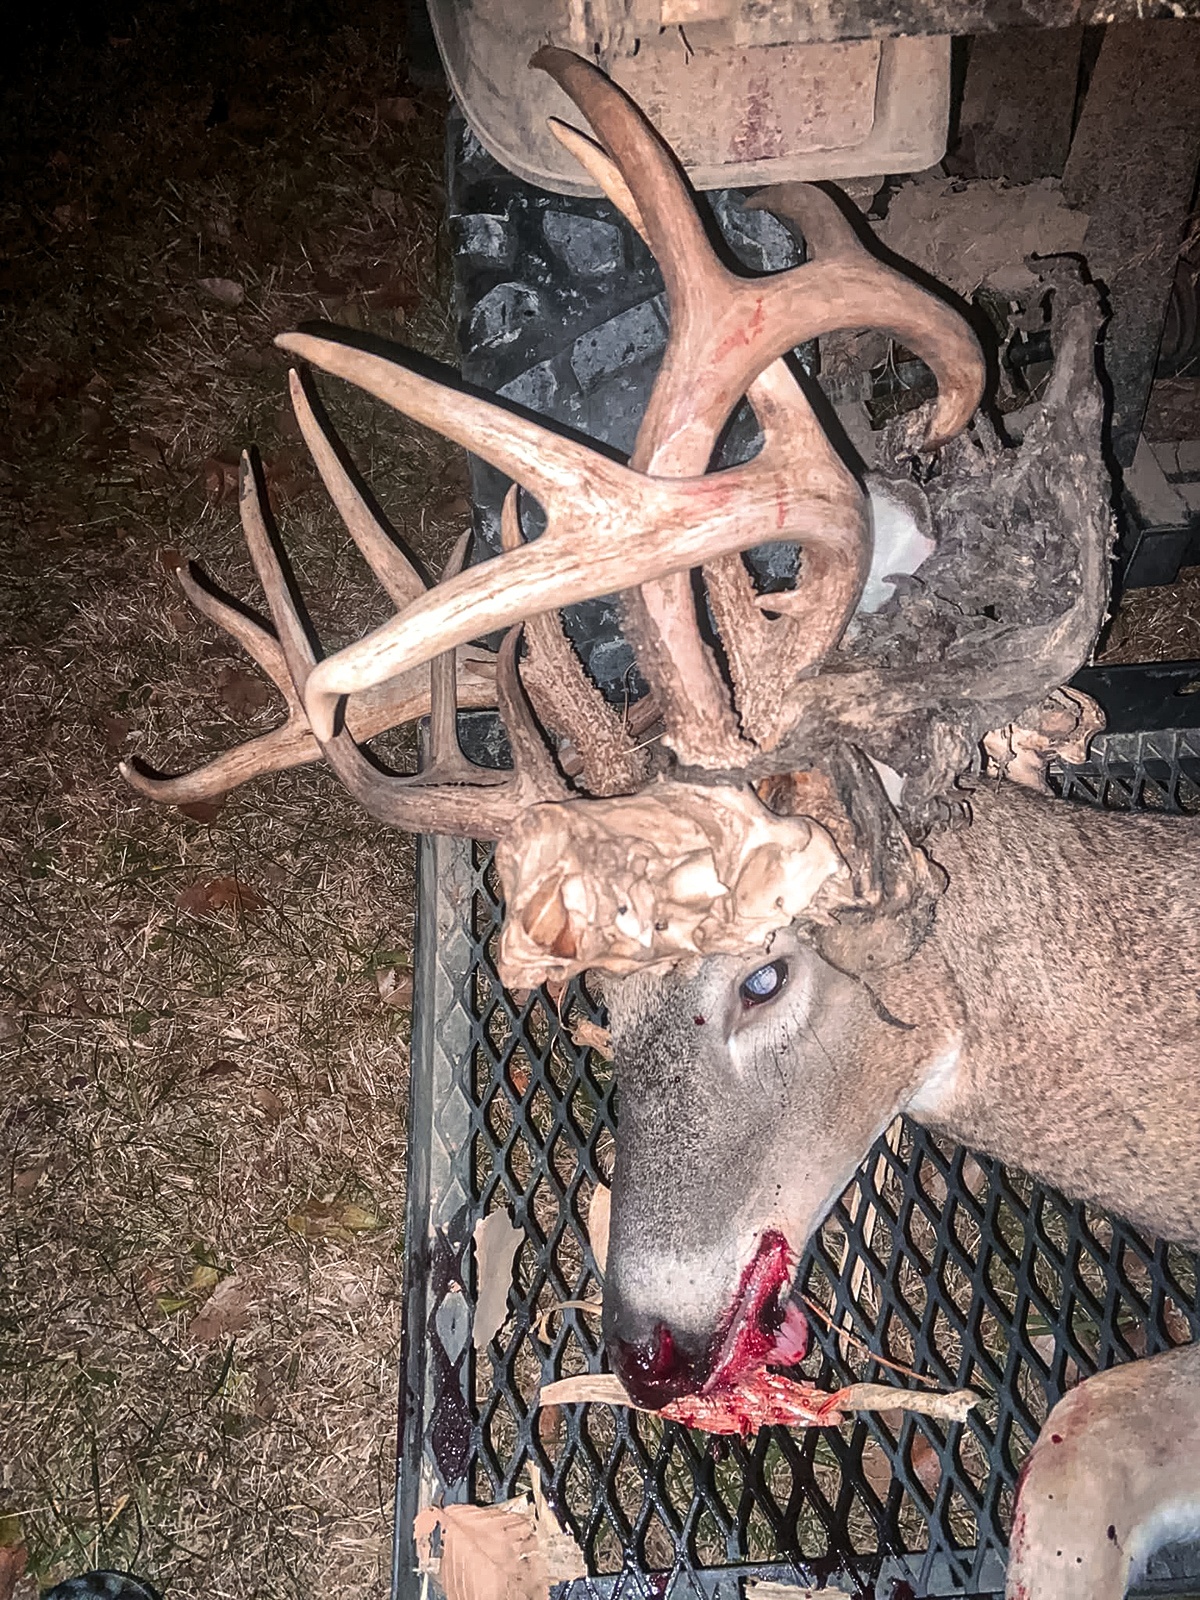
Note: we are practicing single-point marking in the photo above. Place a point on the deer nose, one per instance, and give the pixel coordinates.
(657, 1369)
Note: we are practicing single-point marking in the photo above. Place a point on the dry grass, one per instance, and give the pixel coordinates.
(1161, 623)
(198, 1099)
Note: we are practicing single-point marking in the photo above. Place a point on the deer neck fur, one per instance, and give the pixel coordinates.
(1079, 1056)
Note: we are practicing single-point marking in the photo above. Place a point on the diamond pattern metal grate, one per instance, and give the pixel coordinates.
(936, 1259)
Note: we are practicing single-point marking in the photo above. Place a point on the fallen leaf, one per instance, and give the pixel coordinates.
(496, 1243)
(396, 294)
(27, 1180)
(398, 109)
(204, 898)
(250, 360)
(205, 1278)
(170, 560)
(591, 1036)
(221, 479)
(287, 475)
(455, 505)
(265, 1403)
(149, 446)
(357, 1218)
(974, 1176)
(876, 1468)
(925, 1463)
(395, 985)
(226, 1311)
(597, 1224)
(315, 1220)
(243, 692)
(226, 291)
(12, 1565)
(94, 420)
(267, 1100)
(384, 200)
(457, 471)
(203, 810)
(549, 1423)
(115, 730)
(339, 1220)
(500, 1552)
(221, 1069)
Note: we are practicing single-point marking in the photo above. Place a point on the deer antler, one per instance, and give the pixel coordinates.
(725, 332)
(650, 523)
(452, 794)
(675, 867)
(771, 641)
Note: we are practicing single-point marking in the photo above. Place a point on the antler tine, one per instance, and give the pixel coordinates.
(475, 812)
(364, 522)
(447, 763)
(537, 777)
(565, 698)
(740, 324)
(766, 653)
(387, 705)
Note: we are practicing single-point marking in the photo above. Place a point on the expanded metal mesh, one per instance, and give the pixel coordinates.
(1137, 771)
(938, 1260)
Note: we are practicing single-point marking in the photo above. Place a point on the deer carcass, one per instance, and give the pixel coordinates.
(807, 926)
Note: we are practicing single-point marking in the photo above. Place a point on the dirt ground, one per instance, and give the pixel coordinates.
(202, 1086)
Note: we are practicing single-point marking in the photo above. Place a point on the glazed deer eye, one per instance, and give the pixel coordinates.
(763, 984)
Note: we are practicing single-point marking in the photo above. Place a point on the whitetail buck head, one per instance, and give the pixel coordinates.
(756, 897)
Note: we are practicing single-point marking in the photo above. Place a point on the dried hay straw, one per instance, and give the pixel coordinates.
(175, 1087)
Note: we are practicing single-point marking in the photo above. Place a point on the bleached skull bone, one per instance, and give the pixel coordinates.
(643, 880)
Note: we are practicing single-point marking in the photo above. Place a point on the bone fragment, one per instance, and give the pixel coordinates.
(640, 880)
(807, 1406)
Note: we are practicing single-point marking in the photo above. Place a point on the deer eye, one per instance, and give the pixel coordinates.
(763, 984)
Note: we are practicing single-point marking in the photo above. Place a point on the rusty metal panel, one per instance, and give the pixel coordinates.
(735, 114)
(771, 21)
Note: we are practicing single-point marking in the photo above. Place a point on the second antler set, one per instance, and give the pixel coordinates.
(618, 868)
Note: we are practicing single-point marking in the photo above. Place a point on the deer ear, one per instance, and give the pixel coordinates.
(896, 885)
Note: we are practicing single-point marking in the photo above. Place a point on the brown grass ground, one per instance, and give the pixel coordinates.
(200, 1093)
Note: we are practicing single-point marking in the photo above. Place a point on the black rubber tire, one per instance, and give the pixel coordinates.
(561, 310)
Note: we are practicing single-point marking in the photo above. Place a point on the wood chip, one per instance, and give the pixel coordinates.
(597, 1224)
(226, 1311)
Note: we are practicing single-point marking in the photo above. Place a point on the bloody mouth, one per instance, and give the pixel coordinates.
(761, 1327)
